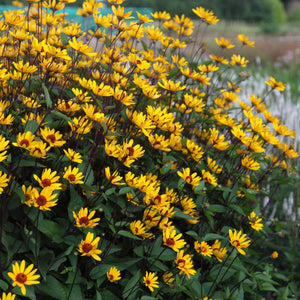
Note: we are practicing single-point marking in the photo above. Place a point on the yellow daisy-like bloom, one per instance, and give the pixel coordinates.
(88, 247)
(51, 137)
(29, 193)
(185, 264)
(73, 156)
(24, 140)
(172, 240)
(206, 298)
(192, 179)
(45, 199)
(245, 40)
(206, 16)
(171, 86)
(238, 60)
(84, 218)
(219, 253)
(150, 281)
(48, 179)
(224, 43)
(219, 59)
(114, 178)
(208, 177)
(137, 227)
(168, 277)
(250, 163)
(73, 175)
(239, 241)
(203, 248)
(22, 276)
(113, 274)
(277, 85)
(81, 47)
(9, 296)
(274, 255)
(4, 179)
(39, 149)
(255, 221)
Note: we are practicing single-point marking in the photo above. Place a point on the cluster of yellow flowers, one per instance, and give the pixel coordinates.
(122, 117)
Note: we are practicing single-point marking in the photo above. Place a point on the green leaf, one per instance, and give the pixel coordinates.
(47, 96)
(125, 190)
(98, 295)
(181, 215)
(166, 168)
(62, 116)
(3, 285)
(199, 188)
(237, 208)
(30, 163)
(132, 283)
(52, 230)
(75, 203)
(148, 298)
(217, 208)
(265, 286)
(52, 287)
(64, 39)
(213, 236)
(31, 126)
(128, 234)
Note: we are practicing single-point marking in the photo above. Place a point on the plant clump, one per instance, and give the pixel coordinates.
(130, 168)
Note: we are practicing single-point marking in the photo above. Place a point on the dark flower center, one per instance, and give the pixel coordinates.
(21, 278)
(72, 177)
(87, 247)
(41, 200)
(24, 142)
(46, 182)
(52, 138)
(84, 220)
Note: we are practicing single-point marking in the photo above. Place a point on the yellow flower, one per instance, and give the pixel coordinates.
(250, 163)
(4, 179)
(81, 47)
(170, 85)
(239, 241)
(137, 227)
(84, 218)
(168, 277)
(150, 281)
(172, 240)
(9, 296)
(51, 137)
(45, 199)
(39, 149)
(219, 253)
(48, 179)
(255, 221)
(224, 43)
(22, 276)
(113, 274)
(114, 178)
(238, 60)
(88, 246)
(29, 193)
(73, 156)
(277, 85)
(245, 40)
(208, 177)
(274, 255)
(73, 175)
(192, 179)
(203, 248)
(185, 264)
(206, 16)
